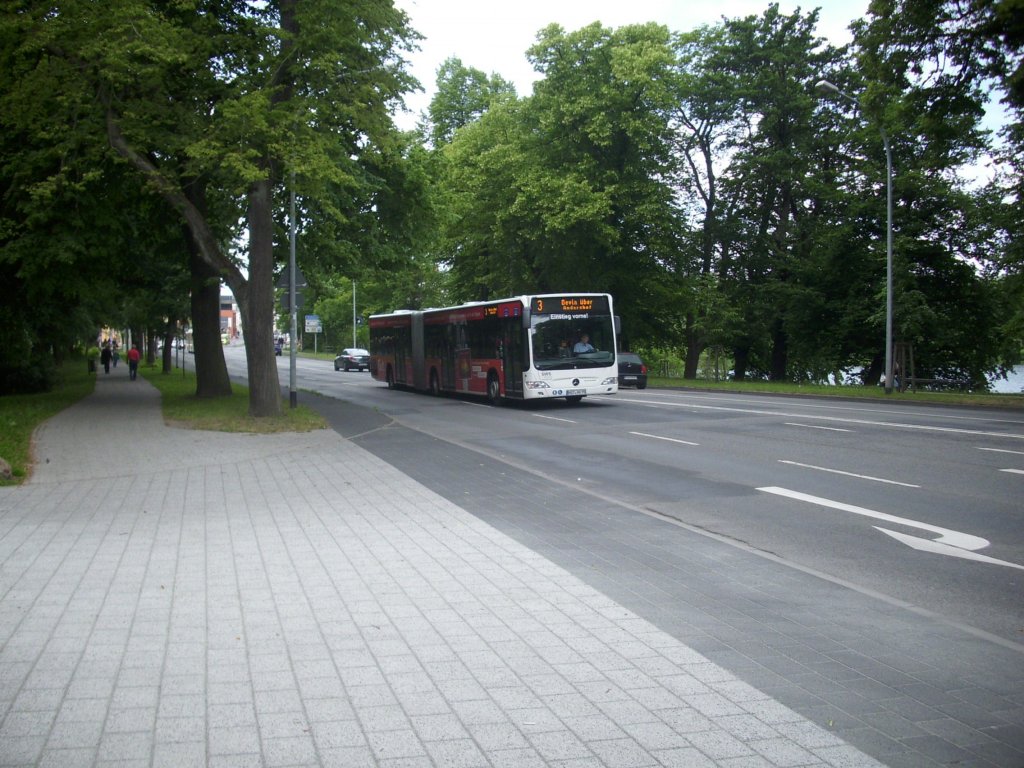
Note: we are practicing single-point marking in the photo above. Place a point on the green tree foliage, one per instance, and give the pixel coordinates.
(562, 190)
(697, 176)
(706, 125)
(234, 97)
(925, 64)
(463, 95)
(750, 153)
(770, 232)
(702, 181)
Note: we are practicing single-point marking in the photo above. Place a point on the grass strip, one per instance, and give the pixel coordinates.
(181, 407)
(21, 414)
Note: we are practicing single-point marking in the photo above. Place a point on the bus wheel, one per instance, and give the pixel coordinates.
(390, 378)
(574, 399)
(435, 385)
(493, 389)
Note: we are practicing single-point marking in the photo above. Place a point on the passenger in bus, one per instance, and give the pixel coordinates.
(563, 349)
(583, 345)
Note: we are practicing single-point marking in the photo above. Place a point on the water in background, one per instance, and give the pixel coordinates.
(1013, 384)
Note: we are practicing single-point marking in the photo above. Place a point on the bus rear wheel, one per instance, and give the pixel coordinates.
(435, 385)
(493, 389)
(390, 378)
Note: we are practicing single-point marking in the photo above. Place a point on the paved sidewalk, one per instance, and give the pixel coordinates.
(178, 598)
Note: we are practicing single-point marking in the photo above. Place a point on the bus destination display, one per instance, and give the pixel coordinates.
(548, 305)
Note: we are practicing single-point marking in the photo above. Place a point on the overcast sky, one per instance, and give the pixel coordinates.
(494, 36)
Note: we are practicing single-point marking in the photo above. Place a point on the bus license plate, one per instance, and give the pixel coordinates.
(571, 392)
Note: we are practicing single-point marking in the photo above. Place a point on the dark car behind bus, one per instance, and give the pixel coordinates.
(632, 371)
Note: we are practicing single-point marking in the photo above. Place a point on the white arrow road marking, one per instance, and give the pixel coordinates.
(946, 536)
(659, 437)
(929, 545)
(1002, 450)
(1014, 471)
(848, 474)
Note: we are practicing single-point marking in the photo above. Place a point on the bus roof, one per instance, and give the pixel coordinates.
(524, 299)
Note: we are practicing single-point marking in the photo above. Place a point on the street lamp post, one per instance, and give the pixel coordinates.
(293, 391)
(825, 87)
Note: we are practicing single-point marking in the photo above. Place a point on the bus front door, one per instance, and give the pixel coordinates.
(512, 358)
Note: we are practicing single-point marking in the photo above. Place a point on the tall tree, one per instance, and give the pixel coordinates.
(235, 96)
(463, 95)
(707, 125)
(925, 64)
(772, 56)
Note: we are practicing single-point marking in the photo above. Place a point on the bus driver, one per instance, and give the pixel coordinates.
(583, 345)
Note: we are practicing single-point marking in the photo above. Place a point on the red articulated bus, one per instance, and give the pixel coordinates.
(522, 348)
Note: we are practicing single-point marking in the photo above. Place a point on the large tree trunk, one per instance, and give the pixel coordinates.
(168, 353)
(873, 374)
(212, 378)
(741, 358)
(147, 343)
(694, 346)
(780, 352)
(256, 304)
(211, 371)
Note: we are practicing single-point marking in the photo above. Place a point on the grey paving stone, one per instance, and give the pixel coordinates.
(457, 753)
(391, 745)
(232, 740)
(245, 611)
(656, 737)
(23, 750)
(685, 757)
(71, 734)
(439, 727)
(558, 746)
(180, 754)
(718, 745)
(248, 760)
(389, 718)
(68, 758)
(28, 723)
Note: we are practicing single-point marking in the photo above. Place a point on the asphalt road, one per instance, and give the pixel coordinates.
(922, 504)
(858, 562)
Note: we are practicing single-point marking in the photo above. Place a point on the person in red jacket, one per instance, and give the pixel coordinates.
(133, 362)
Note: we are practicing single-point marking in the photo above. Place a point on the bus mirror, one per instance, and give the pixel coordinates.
(618, 325)
(526, 318)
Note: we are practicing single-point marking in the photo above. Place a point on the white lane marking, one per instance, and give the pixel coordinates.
(553, 418)
(834, 406)
(659, 437)
(946, 536)
(938, 548)
(848, 474)
(1001, 450)
(838, 419)
(1013, 471)
(814, 426)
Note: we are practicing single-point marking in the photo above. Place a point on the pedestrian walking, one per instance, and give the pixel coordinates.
(115, 355)
(105, 357)
(133, 362)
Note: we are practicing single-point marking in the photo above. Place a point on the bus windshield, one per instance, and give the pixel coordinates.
(561, 343)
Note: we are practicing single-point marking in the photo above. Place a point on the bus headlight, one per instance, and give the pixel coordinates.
(537, 385)
(609, 380)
